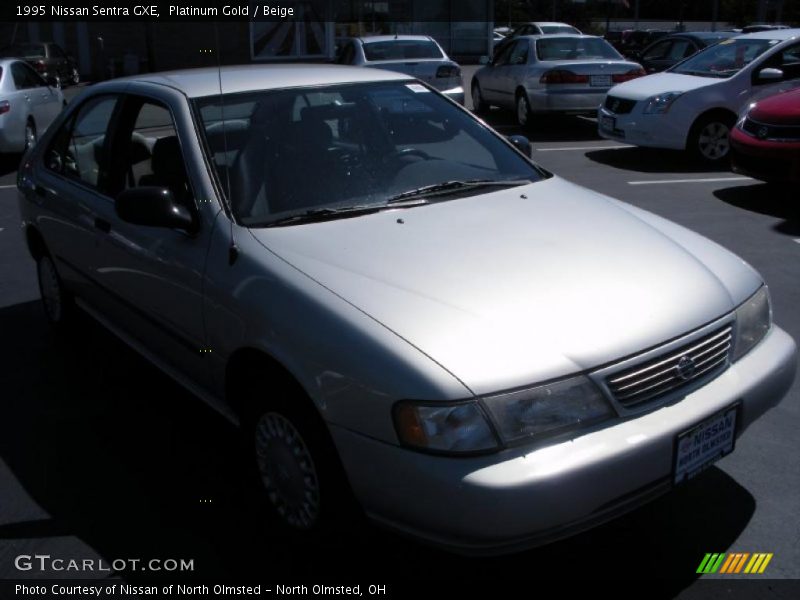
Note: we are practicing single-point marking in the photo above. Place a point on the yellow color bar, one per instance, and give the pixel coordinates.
(765, 563)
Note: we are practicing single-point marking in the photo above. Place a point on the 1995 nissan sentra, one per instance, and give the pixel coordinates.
(396, 303)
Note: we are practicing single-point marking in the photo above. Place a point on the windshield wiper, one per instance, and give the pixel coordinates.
(323, 214)
(445, 187)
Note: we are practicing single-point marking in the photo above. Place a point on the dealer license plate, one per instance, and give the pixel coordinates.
(608, 123)
(704, 444)
(600, 80)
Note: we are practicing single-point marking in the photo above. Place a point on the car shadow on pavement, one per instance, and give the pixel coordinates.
(767, 199)
(129, 463)
(544, 129)
(9, 163)
(652, 160)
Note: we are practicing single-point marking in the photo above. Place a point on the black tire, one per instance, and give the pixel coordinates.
(58, 303)
(479, 105)
(295, 468)
(522, 110)
(30, 134)
(709, 138)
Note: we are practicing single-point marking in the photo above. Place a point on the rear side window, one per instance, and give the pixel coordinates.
(78, 150)
(401, 50)
(24, 77)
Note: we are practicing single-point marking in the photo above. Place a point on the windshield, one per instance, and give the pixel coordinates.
(724, 59)
(24, 50)
(401, 50)
(550, 29)
(291, 151)
(575, 48)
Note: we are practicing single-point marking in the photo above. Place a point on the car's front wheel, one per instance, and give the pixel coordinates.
(478, 102)
(297, 468)
(710, 138)
(57, 302)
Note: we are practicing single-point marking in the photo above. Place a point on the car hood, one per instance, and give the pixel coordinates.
(521, 285)
(780, 109)
(659, 83)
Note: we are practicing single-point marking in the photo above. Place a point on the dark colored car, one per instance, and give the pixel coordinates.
(765, 144)
(635, 40)
(49, 60)
(670, 50)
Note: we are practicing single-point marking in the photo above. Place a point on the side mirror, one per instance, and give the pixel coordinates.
(153, 207)
(770, 74)
(53, 81)
(484, 60)
(521, 143)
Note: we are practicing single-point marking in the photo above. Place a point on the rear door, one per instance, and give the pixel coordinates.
(509, 74)
(71, 189)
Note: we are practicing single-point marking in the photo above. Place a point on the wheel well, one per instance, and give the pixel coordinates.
(714, 112)
(247, 362)
(36, 245)
(520, 91)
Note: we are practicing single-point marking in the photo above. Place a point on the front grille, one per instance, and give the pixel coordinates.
(619, 106)
(661, 375)
(764, 131)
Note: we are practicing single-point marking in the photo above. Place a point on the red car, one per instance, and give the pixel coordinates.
(765, 144)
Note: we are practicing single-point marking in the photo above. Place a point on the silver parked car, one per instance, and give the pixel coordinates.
(27, 105)
(563, 74)
(396, 303)
(417, 55)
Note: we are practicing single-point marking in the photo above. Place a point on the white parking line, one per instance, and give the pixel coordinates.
(582, 148)
(7, 187)
(703, 180)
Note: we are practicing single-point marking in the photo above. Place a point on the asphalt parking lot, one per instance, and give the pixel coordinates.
(103, 456)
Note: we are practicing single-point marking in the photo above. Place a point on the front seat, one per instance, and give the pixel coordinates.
(169, 170)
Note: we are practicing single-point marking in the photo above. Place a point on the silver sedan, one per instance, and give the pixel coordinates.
(398, 306)
(540, 74)
(27, 105)
(417, 55)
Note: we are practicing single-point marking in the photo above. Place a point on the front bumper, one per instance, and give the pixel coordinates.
(764, 159)
(521, 497)
(639, 129)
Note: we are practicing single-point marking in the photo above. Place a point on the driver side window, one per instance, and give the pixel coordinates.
(519, 56)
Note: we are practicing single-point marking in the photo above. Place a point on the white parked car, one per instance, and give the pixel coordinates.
(694, 104)
(27, 105)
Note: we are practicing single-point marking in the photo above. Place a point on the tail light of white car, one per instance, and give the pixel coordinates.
(5, 106)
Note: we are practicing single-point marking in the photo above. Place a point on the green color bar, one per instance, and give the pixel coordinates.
(701, 568)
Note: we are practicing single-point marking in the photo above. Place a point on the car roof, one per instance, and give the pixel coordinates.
(394, 38)
(772, 34)
(196, 83)
(555, 36)
(704, 35)
(550, 23)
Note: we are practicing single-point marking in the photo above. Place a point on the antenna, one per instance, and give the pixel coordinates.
(233, 251)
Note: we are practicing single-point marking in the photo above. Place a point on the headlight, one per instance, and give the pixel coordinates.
(753, 320)
(658, 105)
(547, 410)
(447, 428)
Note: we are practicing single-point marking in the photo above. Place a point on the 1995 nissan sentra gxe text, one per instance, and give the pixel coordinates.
(396, 303)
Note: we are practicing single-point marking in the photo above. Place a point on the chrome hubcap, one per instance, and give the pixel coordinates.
(50, 289)
(714, 141)
(287, 471)
(522, 111)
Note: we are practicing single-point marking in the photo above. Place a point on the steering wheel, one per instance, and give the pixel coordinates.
(406, 152)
